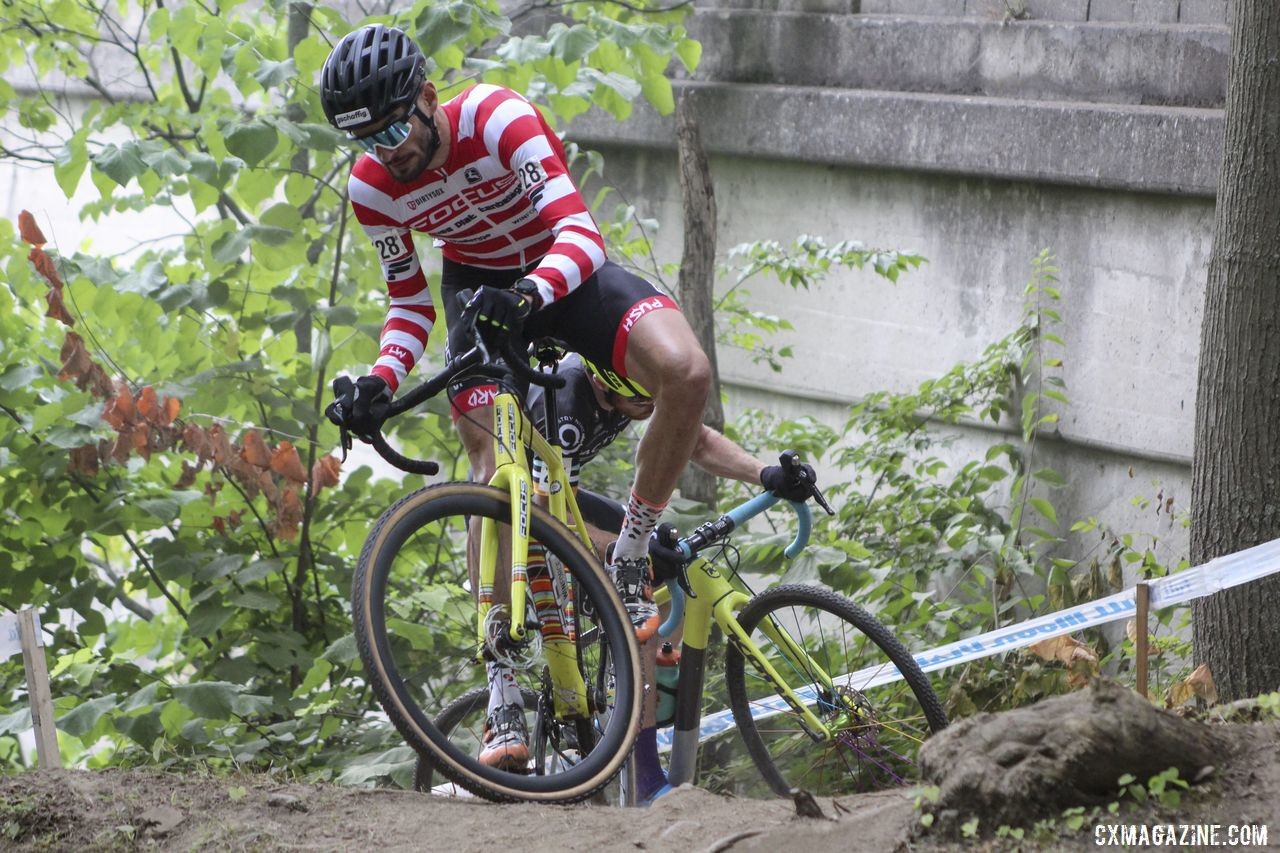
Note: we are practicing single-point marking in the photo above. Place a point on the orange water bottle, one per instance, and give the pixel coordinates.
(668, 677)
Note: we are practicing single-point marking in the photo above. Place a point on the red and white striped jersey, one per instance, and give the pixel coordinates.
(502, 200)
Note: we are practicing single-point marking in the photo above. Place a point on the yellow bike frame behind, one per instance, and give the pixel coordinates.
(716, 599)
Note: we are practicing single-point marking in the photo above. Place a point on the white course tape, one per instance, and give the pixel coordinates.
(1217, 574)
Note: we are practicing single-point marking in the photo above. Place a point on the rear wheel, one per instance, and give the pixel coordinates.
(875, 730)
(415, 626)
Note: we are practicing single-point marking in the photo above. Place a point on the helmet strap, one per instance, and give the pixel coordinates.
(430, 122)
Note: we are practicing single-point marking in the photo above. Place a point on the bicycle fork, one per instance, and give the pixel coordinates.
(561, 655)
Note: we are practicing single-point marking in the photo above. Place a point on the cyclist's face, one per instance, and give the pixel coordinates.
(636, 408)
(413, 156)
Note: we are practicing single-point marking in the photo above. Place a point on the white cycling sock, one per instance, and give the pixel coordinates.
(642, 517)
(502, 687)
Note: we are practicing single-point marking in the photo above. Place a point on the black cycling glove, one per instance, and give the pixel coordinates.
(792, 488)
(360, 406)
(500, 311)
(667, 559)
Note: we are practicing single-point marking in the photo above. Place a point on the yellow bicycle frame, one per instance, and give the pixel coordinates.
(716, 599)
(514, 432)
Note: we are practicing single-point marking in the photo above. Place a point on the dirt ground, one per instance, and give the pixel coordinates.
(143, 809)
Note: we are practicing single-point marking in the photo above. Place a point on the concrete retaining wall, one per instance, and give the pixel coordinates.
(977, 144)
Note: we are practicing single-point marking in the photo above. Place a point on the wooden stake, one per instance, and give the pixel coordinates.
(38, 691)
(1143, 595)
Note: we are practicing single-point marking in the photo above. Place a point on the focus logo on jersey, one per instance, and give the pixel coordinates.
(639, 310)
(354, 117)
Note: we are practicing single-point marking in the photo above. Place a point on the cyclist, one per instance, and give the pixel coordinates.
(592, 409)
(486, 178)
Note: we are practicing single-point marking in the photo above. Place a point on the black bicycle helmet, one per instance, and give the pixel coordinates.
(373, 72)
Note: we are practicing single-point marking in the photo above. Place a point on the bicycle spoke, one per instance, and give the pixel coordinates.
(870, 736)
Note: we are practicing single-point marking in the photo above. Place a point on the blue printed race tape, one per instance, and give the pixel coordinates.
(1217, 574)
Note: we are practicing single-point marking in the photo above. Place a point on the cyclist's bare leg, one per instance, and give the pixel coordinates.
(664, 356)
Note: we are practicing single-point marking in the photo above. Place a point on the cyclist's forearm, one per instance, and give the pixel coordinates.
(720, 456)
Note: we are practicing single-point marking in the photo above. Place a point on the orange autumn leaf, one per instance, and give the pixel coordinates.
(30, 232)
(324, 472)
(1198, 685)
(197, 441)
(169, 414)
(285, 462)
(57, 310)
(75, 359)
(1080, 660)
(147, 403)
(222, 451)
(188, 478)
(45, 266)
(288, 515)
(123, 445)
(120, 410)
(254, 450)
(84, 460)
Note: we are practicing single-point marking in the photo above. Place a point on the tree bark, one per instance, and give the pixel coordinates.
(1235, 492)
(698, 273)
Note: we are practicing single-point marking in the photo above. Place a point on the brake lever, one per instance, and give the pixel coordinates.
(821, 501)
(344, 438)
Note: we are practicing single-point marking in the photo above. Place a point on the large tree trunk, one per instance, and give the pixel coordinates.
(698, 274)
(1235, 494)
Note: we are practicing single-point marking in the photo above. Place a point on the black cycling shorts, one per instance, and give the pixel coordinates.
(595, 319)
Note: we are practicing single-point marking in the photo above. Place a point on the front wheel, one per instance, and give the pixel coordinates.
(415, 627)
(813, 639)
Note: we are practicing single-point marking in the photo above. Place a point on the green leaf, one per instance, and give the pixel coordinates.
(1050, 476)
(17, 722)
(229, 247)
(144, 698)
(252, 141)
(163, 508)
(209, 699)
(657, 89)
(219, 567)
(83, 718)
(207, 618)
(119, 164)
(309, 55)
(271, 74)
(70, 165)
(1046, 509)
(342, 650)
(143, 729)
(690, 53)
(254, 599)
(437, 28)
(571, 44)
(17, 376)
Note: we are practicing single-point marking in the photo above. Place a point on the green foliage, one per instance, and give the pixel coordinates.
(943, 544)
(194, 616)
(801, 265)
